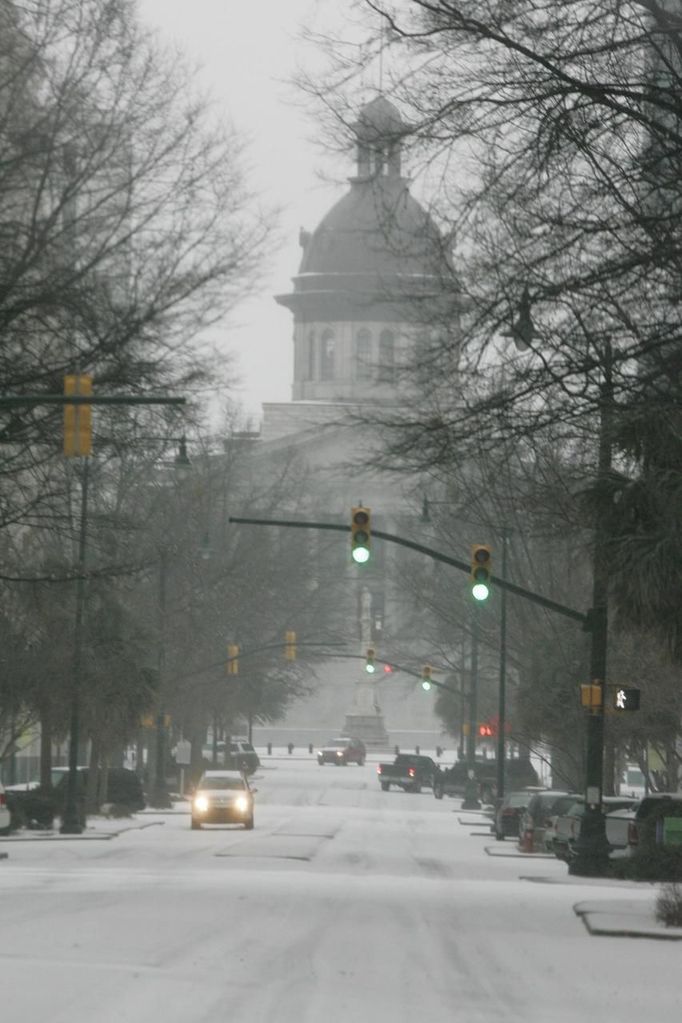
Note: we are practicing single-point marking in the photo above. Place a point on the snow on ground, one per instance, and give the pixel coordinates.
(345, 903)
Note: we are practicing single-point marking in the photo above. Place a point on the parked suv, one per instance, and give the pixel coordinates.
(242, 757)
(342, 751)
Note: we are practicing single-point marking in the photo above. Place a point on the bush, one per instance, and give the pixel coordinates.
(669, 905)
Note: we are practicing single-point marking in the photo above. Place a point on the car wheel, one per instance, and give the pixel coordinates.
(248, 824)
(5, 831)
(385, 786)
(438, 791)
(361, 762)
(415, 788)
(499, 835)
(196, 826)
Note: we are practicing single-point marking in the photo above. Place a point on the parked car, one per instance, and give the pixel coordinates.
(542, 806)
(123, 785)
(4, 813)
(452, 781)
(241, 756)
(627, 831)
(223, 797)
(508, 813)
(342, 751)
(562, 837)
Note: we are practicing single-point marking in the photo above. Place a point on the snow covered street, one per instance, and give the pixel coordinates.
(344, 903)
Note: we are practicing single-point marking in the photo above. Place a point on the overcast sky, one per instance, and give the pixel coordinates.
(248, 51)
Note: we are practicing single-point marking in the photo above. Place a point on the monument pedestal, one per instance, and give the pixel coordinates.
(368, 727)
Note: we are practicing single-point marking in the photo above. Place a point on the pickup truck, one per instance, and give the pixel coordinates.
(409, 771)
(628, 830)
(519, 774)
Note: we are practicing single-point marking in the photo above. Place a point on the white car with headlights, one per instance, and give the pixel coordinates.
(222, 797)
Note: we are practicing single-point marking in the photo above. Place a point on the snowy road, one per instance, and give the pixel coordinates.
(344, 904)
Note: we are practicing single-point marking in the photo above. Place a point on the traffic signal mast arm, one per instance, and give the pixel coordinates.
(463, 566)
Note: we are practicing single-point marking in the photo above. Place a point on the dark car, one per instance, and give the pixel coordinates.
(508, 813)
(222, 797)
(241, 756)
(536, 818)
(519, 773)
(123, 786)
(342, 751)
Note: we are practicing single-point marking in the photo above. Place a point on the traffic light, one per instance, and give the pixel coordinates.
(232, 659)
(426, 677)
(481, 565)
(360, 527)
(77, 418)
(290, 645)
(625, 698)
(370, 667)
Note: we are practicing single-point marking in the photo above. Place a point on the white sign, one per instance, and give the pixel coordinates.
(183, 752)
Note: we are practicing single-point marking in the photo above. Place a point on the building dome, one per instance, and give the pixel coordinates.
(377, 249)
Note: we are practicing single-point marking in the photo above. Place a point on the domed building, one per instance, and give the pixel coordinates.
(374, 274)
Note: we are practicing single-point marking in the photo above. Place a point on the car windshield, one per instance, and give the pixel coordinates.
(221, 783)
(337, 743)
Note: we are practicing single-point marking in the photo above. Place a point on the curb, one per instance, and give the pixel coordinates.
(54, 836)
(627, 921)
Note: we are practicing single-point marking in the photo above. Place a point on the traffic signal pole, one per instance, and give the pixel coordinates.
(502, 688)
(592, 847)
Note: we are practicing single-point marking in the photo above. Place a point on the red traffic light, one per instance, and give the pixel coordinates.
(388, 669)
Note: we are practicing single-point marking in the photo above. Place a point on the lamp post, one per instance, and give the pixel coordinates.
(592, 848)
(160, 797)
(71, 818)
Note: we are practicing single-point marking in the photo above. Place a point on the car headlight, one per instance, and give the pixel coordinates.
(339, 753)
(242, 803)
(201, 804)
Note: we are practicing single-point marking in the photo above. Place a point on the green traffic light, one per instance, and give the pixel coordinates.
(369, 668)
(426, 685)
(360, 555)
(480, 591)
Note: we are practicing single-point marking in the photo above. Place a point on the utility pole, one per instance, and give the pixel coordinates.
(592, 848)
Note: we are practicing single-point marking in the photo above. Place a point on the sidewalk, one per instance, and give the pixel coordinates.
(98, 828)
(619, 917)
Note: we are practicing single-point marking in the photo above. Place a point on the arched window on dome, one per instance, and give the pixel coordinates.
(386, 356)
(327, 352)
(363, 354)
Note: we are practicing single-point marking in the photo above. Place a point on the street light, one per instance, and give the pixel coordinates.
(159, 795)
(592, 848)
